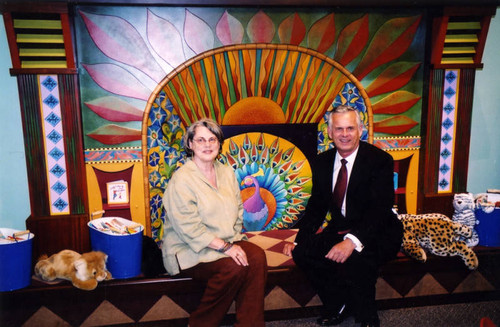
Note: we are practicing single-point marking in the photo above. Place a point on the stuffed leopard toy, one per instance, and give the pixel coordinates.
(437, 234)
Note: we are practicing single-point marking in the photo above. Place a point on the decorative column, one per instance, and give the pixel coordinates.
(42, 56)
(459, 36)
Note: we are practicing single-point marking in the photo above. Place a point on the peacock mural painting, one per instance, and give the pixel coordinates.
(256, 210)
(147, 73)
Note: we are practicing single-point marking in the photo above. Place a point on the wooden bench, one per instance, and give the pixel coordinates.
(402, 283)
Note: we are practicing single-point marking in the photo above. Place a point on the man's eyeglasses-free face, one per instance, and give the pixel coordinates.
(201, 140)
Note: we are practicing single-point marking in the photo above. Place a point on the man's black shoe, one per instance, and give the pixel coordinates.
(336, 319)
(374, 322)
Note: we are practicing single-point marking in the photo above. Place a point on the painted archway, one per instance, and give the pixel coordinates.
(266, 86)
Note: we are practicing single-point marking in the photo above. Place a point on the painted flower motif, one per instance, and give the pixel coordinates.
(156, 210)
(350, 93)
(155, 178)
(171, 156)
(324, 142)
(175, 123)
(157, 116)
(154, 136)
(156, 202)
(154, 159)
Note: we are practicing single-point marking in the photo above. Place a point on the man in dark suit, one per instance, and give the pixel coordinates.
(342, 259)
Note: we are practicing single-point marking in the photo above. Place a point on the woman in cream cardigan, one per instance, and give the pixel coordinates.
(202, 233)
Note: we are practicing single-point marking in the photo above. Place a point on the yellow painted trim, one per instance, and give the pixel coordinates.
(411, 179)
(464, 26)
(461, 38)
(38, 24)
(460, 60)
(23, 52)
(39, 38)
(44, 64)
(456, 50)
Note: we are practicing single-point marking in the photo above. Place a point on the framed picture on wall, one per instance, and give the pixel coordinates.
(117, 192)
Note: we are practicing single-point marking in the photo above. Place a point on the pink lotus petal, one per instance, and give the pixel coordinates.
(260, 28)
(115, 109)
(165, 40)
(115, 134)
(120, 41)
(229, 30)
(117, 80)
(197, 33)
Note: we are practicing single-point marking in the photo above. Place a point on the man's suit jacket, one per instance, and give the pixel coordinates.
(369, 202)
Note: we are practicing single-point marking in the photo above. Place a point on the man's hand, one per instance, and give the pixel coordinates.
(288, 248)
(340, 252)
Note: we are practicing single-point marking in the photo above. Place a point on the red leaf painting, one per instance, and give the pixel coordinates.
(321, 36)
(292, 30)
(352, 40)
(395, 103)
(393, 78)
(394, 125)
(390, 42)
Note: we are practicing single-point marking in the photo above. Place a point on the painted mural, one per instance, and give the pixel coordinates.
(147, 73)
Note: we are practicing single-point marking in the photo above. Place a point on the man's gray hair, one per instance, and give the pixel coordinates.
(343, 108)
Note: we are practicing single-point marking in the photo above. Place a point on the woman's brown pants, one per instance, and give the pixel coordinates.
(228, 282)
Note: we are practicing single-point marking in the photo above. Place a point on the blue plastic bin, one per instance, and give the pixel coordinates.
(488, 228)
(15, 259)
(124, 251)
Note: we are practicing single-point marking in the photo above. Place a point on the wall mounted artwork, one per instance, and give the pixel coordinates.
(148, 72)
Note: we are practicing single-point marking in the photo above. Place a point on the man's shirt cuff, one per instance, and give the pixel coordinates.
(354, 239)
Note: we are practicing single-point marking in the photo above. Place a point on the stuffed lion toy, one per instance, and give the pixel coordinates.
(437, 234)
(83, 270)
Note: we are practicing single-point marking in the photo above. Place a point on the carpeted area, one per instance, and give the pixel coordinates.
(450, 315)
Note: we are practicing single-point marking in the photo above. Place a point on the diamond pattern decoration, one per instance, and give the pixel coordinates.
(451, 76)
(54, 143)
(53, 119)
(51, 101)
(56, 154)
(448, 108)
(49, 83)
(57, 170)
(60, 204)
(447, 123)
(444, 169)
(59, 188)
(446, 138)
(443, 184)
(449, 92)
(448, 130)
(445, 154)
(54, 136)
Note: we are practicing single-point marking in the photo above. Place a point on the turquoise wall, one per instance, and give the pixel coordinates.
(484, 157)
(484, 168)
(14, 198)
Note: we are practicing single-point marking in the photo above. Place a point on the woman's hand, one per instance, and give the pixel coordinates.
(288, 248)
(238, 255)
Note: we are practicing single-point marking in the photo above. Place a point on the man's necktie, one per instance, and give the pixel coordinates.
(341, 185)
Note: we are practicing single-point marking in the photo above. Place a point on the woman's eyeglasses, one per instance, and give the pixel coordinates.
(201, 140)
